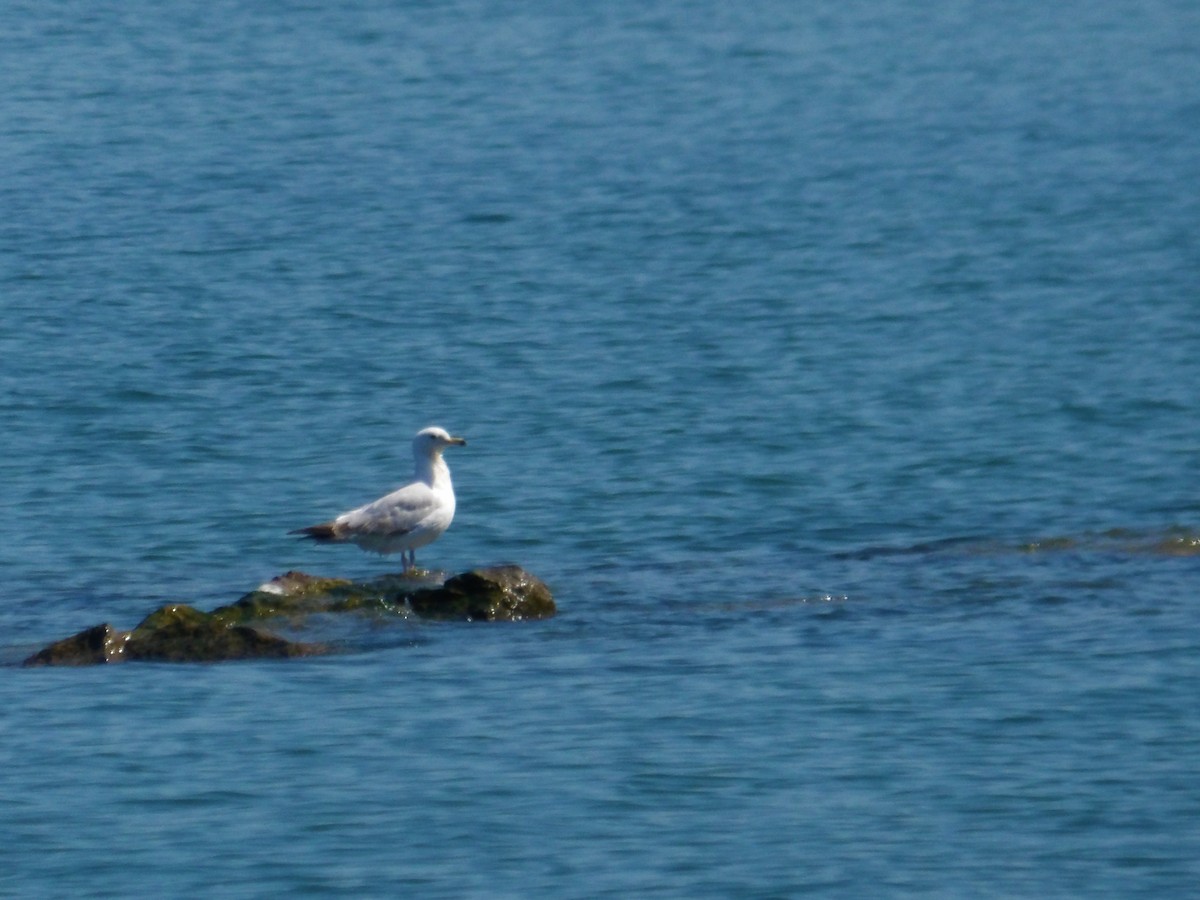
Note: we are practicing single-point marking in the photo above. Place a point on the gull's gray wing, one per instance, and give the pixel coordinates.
(397, 513)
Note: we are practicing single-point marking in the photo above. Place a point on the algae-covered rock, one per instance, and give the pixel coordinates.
(241, 630)
(295, 595)
(98, 644)
(499, 593)
(175, 633)
(179, 633)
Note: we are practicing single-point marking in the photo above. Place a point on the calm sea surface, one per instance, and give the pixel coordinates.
(836, 363)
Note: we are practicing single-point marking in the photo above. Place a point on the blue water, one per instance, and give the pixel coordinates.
(835, 363)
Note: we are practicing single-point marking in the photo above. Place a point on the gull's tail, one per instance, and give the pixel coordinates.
(322, 534)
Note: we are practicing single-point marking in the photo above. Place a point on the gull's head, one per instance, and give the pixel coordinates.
(432, 441)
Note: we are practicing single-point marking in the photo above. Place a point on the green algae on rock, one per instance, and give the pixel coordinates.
(295, 595)
(98, 644)
(173, 633)
(180, 633)
(240, 630)
(492, 594)
(499, 593)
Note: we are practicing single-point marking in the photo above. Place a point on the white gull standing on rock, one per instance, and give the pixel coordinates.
(408, 517)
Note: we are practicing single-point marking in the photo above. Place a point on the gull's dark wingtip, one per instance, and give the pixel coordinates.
(322, 532)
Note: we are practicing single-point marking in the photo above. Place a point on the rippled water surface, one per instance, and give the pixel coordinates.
(836, 364)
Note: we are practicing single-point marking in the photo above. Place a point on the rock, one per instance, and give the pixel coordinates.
(98, 644)
(181, 633)
(175, 633)
(295, 596)
(500, 593)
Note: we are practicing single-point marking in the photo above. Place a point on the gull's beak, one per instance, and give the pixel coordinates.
(457, 441)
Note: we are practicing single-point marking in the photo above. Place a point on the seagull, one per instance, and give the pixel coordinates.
(407, 518)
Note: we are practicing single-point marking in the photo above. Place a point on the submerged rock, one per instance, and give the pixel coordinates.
(241, 630)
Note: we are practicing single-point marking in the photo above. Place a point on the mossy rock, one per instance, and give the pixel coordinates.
(181, 633)
(98, 644)
(295, 595)
(499, 593)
